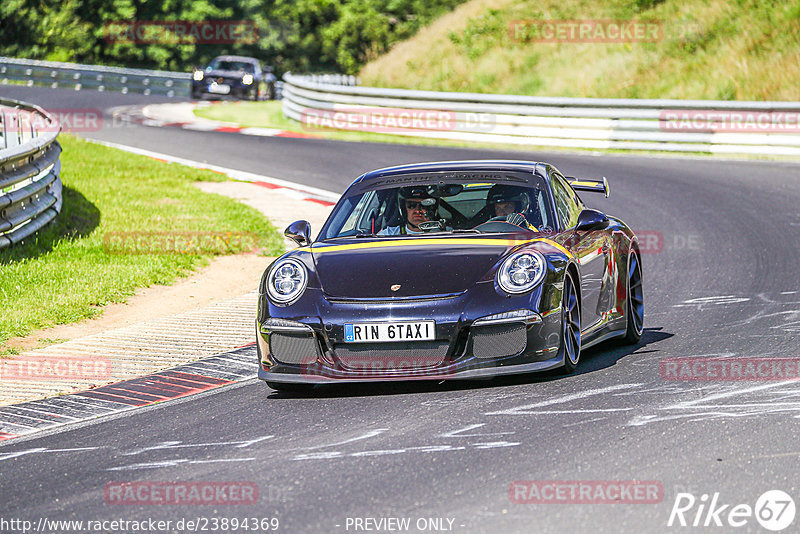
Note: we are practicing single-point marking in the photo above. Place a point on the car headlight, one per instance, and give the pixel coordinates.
(521, 272)
(197, 75)
(247, 79)
(286, 281)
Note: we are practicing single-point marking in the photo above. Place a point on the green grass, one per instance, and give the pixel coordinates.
(66, 273)
(709, 49)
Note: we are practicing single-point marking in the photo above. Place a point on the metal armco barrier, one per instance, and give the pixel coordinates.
(74, 76)
(30, 187)
(764, 128)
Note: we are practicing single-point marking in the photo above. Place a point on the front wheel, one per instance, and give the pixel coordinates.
(570, 325)
(634, 307)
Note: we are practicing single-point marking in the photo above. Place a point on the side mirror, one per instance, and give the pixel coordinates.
(590, 219)
(299, 232)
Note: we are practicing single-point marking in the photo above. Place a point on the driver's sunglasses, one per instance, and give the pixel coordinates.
(414, 205)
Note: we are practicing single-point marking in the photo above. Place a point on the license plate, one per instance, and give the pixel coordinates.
(219, 88)
(389, 332)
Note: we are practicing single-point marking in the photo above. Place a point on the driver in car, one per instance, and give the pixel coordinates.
(509, 203)
(416, 206)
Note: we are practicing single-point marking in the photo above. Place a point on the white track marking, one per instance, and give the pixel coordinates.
(436, 448)
(221, 460)
(724, 395)
(460, 432)
(37, 450)
(174, 463)
(75, 449)
(319, 456)
(148, 465)
(179, 445)
(578, 410)
(703, 408)
(391, 452)
(712, 301)
(253, 441)
(370, 434)
(585, 422)
(524, 409)
(377, 452)
(17, 454)
(496, 444)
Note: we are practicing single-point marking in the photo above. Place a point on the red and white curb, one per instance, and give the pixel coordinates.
(294, 190)
(187, 379)
(181, 115)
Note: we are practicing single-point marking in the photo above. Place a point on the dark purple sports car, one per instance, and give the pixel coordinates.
(449, 270)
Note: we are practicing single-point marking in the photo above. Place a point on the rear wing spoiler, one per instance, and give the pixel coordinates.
(595, 186)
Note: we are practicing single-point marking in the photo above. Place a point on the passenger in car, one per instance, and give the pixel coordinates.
(509, 203)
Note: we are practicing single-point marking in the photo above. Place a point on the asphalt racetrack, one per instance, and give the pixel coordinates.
(721, 279)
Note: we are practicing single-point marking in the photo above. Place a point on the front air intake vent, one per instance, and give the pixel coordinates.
(294, 349)
(498, 341)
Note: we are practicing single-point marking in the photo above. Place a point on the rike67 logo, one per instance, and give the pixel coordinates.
(774, 510)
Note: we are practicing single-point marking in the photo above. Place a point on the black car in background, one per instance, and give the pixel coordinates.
(234, 76)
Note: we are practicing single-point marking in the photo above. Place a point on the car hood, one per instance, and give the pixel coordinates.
(421, 267)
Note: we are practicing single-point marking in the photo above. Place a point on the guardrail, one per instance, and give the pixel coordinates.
(72, 75)
(728, 127)
(30, 187)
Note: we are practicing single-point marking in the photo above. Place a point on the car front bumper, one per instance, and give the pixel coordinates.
(236, 89)
(472, 341)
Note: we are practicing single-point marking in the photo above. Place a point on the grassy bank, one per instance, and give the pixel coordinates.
(706, 49)
(70, 269)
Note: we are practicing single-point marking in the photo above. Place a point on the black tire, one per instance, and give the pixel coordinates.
(634, 301)
(570, 325)
(290, 387)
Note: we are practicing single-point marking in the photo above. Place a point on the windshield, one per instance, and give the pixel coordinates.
(442, 207)
(219, 64)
